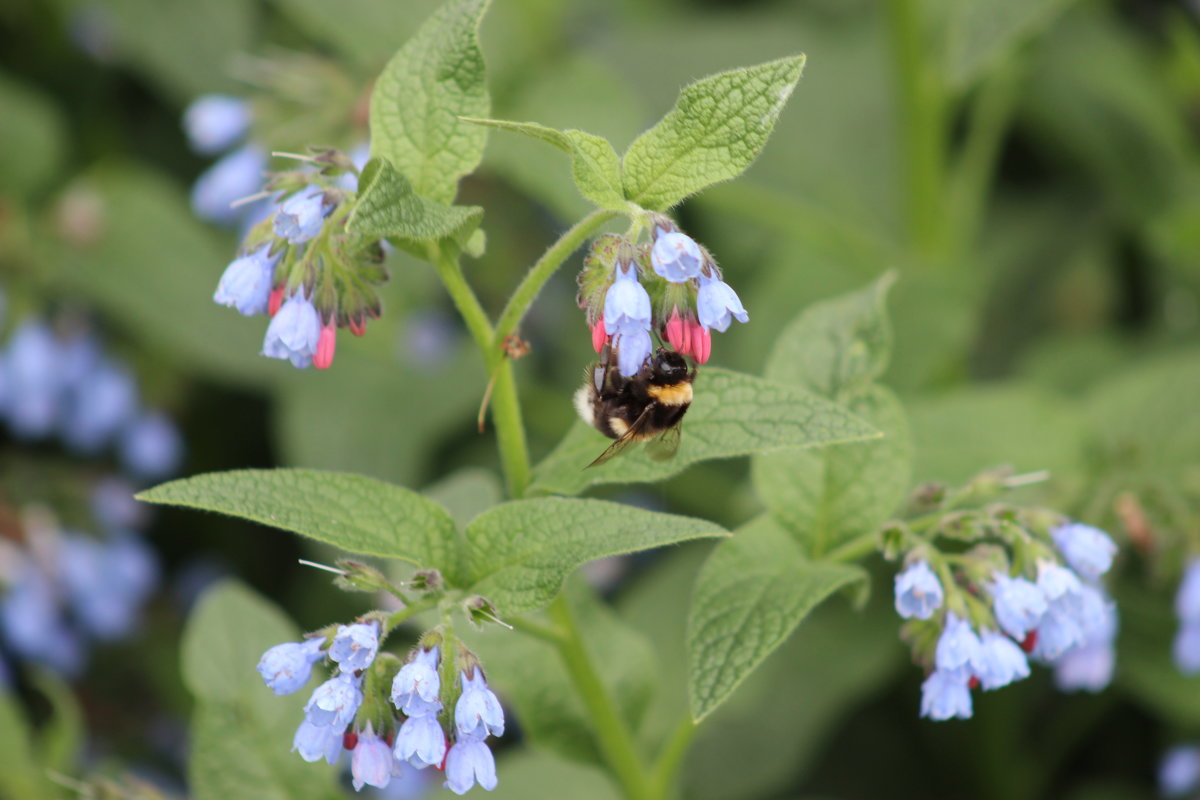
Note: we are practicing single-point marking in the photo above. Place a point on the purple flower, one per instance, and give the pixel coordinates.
(246, 282)
(1187, 597)
(33, 380)
(102, 403)
(285, 668)
(958, 646)
(151, 447)
(717, 303)
(676, 256)
(113, 505)
(31, 623)
(1179, 771)
(1186, 648)
(421, 742)
(106, 582)
(335, 702)
(354, 646)
(1001, 661)
(918, 592)
(371, 762)
(314, 742)
(1057, 583)
(416, 686)
(1017, 603)
(301, 216)
(1089, 551)
(293, 332)
(633, 348)
(238, 174)
(945, 695)
(626, 304)
(215, 122)
(478, 711)
(468, 762)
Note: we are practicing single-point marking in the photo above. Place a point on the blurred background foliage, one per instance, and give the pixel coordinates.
(1030, 167)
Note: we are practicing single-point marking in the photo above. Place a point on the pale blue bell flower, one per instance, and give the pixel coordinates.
(633, 348)
(152, 447)
(371, 763)
(1185, 650)
(234, 176)
(100, 405)
(285, 668)
(314, 742)
(918, 591)
(334, 702)
(215, 122)
(1089, 551)
(469, 762)
(1179, 771)
(1017, 603)
(1001, 661)
(294, 332)
(946, 694)
(301, 216)
(958, 646)
(676, 257)
(626, 303)
(416, 686)
(421, 742)
(717, 304)
(478, 710)
(1187, 597)
(246, 283)
(354, 646)
(33, 380)
(1088, 667)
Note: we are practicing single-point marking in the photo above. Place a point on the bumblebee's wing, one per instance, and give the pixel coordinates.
(626, 439)
(665, 446)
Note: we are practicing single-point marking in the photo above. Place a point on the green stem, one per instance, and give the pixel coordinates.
(538, 630)
(854, 549)
(510, 429)
(670, 758)
(464, 299)
(540, 272)
(402, 616)
(923, 125)
(612, 735)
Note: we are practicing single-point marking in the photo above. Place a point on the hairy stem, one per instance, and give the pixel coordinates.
(666, 767)
(510, 429)
(464, 299)
(612, 735)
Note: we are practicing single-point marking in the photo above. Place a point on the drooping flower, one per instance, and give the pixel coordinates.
(246, 282)
(215, 122)
(1179, 771)
(1089, 551)
(151, 446)
(478, 711)
(314, 742)
(1017, 603)
(236, 175)
(416, 686)
(100, 404)
(1187, 597)
(918, 592)
(421, 742)
(335, 702)
(294, 332)
(285, 668)
(326, 345)
(371, 763)
(717, 304)
(1186, 648)
(1001, 661)
(354, 646)
(633, 348)
(958, 647)
(469, 762)
(33, 380)
(626, 303)
(301, 216)
(946, 694)
(105, 582)
(675, 256)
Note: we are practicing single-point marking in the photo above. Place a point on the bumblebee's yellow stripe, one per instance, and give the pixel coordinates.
(676, 394)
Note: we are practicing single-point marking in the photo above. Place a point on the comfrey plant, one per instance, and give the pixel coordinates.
(985, 585)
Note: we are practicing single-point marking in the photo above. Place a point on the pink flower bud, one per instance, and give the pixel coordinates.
(326, 344)
(275, 301)
(358, 325)
(599, 335)
(701, 341)
(678, 334)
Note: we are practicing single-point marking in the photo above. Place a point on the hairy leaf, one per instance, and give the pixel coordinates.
(435, 78)
(519, 553)
(388, 207)
(715, 131)
(733, 414)
(353, 512)
(753, 591)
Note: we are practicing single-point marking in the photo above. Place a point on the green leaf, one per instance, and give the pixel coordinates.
(982, 33)
(520, 552)
(733, 414)
(387, 206)
(32, 138)
(466, 493)
(595, 166)
(753, 591)
(242, 732)
(435, 78)
(20, 772)
(353, 512)
(829, 496)
(61, 737)
(542, 692)
(715, 131)
(837, 347)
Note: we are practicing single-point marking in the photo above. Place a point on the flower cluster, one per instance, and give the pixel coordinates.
(669, 287)
(214, 124)
(67, 385)
(303, 268)
(976, 619)
(360, 707)
(1186, 649)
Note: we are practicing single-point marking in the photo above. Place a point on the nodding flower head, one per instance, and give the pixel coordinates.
(717, 304)
(478, 712)
(294, 332)
(215, 122)
(301, 216)
(626, 303)
(675, 256)
(918, 592)
(1088, 550)
(416, 687)
(246, 282)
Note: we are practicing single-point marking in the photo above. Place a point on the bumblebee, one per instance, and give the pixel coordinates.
(646, 407)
